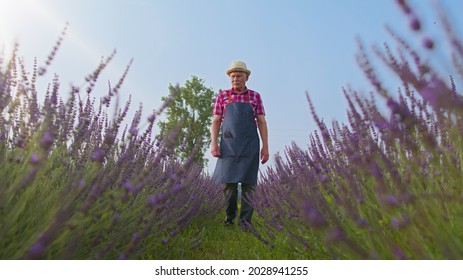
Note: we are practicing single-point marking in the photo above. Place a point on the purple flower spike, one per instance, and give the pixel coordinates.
(133, 131)
(34, 159)
(151, 201)
(399, 254)
(47, 140)
(106, 100)
(135, 237)
(415, 23)
(391, 200)
(154, 200)
(313, 216)
(36, 249)
(152, 118)
(399, 222)
(430, 95)
(128, 186)
(324, 178)
(98, 155)
(394, 106)
(403, 4)
(428, 43)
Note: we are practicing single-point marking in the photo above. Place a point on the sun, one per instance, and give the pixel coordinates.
(28, 20)
(14, 13)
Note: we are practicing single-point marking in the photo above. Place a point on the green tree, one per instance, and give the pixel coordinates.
(189, 113)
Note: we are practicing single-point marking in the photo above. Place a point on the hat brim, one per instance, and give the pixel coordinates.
(238, 70)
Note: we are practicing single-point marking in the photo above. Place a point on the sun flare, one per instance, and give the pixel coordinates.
(15, 14)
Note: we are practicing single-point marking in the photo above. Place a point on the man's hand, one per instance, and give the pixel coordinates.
(264, 155)
(215, 150)
(262, 125)
(215, 127)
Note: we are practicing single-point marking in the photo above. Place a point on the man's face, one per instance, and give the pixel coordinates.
(238, 80)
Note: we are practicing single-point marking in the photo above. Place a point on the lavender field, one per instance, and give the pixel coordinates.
(75, 184)
(81, 179)
(386, 185)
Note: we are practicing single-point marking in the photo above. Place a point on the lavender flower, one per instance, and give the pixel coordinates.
(34, 159)
(36, 250)
(428, 43)
(47, 140)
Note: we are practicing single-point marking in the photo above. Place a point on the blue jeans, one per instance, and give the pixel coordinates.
(231, 197)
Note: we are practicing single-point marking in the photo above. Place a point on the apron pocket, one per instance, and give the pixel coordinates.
(227, 134)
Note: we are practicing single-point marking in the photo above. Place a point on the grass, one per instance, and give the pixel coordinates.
(231, 243)
(219, 242)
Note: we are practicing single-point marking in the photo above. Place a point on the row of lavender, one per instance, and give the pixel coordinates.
(77, 183)
(386, 185)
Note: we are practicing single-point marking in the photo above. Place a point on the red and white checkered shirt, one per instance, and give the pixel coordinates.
(250, 96)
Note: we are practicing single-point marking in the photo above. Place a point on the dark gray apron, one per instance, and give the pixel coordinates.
(239, 146)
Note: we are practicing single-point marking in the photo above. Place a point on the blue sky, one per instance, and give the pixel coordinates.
(291, 47)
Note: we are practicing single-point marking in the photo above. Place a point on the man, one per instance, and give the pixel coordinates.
(239, 111)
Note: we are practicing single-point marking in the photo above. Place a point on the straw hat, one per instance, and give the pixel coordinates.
(238, 66)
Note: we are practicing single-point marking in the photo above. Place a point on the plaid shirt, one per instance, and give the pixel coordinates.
(250, 96)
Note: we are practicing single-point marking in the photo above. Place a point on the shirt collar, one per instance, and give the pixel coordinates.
(244, 92)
